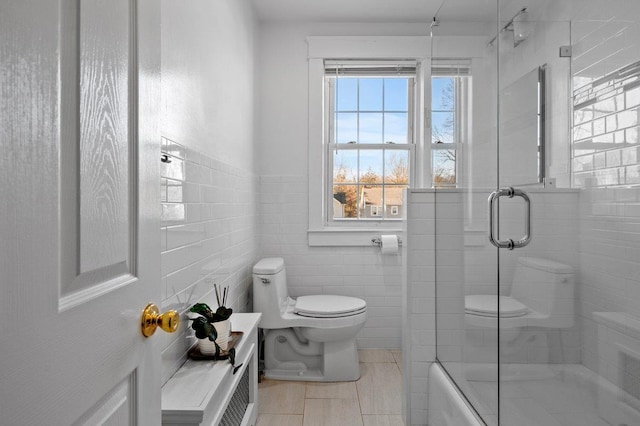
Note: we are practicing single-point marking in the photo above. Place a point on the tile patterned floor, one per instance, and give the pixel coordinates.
(373, 400)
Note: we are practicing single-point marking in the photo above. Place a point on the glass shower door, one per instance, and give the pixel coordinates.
(543, 330)
(535, 216)
(573, 357)
(464, 153)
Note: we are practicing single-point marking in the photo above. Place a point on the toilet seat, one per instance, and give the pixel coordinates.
(487, 306)
(329, 306)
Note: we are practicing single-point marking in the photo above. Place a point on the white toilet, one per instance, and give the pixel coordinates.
(542, 296)
(311, 338)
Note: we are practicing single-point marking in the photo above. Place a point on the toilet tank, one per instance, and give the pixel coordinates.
(270, 291)
(547, 287)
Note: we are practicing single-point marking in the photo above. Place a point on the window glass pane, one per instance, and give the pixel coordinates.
(369, 111)
(396, 94)
(393, 201)
(370, 127)
(442, 127)
(345, 166)
(370, 202)
(396, 167)
(346, 127)
(345, 201)
(370, 94)
(442, 94)
(444, 167)
(370, 166)
(395, 127)
(346, 94)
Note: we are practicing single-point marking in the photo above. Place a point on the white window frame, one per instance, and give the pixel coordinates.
(332, 147)
(321, 232)
(446, 68)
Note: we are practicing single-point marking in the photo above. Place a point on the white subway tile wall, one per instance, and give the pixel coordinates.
(209, 235)
(610, 260)
(350, 271)
(606, 104)
(419, 334)
(605, 150)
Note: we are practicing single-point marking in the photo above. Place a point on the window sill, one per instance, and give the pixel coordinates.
(349, 237)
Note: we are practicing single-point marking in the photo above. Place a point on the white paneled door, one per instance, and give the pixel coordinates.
(79, 211)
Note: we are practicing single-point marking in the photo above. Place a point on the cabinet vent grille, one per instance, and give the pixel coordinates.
(630, 374)
(239, 402)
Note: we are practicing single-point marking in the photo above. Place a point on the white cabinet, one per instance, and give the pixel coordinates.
(208, 393)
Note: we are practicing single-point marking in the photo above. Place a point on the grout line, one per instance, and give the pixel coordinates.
(304, 403)
(358, 394)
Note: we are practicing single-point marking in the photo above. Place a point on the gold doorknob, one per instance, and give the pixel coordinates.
(151, 319)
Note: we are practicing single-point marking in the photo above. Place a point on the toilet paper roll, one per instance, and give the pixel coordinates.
(389, 244)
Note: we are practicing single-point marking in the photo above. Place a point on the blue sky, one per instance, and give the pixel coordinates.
(382, 117)
(383, 110)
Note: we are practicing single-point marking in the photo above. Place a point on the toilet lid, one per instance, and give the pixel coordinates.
(328, 306)
(487, 305)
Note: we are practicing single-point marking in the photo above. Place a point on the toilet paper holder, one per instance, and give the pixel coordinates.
(378, 242)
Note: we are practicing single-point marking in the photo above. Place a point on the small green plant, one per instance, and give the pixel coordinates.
(203, 325)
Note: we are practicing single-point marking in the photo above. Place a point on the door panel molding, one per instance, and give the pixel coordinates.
(117, 407)
(99, 156)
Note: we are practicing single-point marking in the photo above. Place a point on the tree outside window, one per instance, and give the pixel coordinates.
(443, 130)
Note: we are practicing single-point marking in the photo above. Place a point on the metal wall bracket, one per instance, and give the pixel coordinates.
(565, 51)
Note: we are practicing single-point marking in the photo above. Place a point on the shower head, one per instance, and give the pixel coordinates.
(519, 25)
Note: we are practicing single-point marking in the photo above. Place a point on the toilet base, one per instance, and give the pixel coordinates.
(288, 358)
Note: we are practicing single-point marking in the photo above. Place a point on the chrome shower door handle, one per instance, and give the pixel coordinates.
(510, 244)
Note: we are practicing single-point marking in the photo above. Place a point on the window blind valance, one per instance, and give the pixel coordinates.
(370, 67)
(450, 67)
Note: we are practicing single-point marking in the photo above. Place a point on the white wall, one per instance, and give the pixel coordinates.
(282, 151)
(208, 50)
(210, 188)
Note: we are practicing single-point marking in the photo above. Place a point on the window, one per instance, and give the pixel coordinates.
(449, 86)
(328, 225)
(369, 138)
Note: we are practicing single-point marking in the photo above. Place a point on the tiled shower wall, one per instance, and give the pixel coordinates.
(606, 104)
(419, 328)
(349, 271)
(606, 162)
(209, 235)
(610, 260)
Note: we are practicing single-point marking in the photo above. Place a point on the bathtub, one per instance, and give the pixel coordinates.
(446, 406)
(572, 392)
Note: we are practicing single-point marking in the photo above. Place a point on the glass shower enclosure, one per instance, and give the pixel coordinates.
(536, 164)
